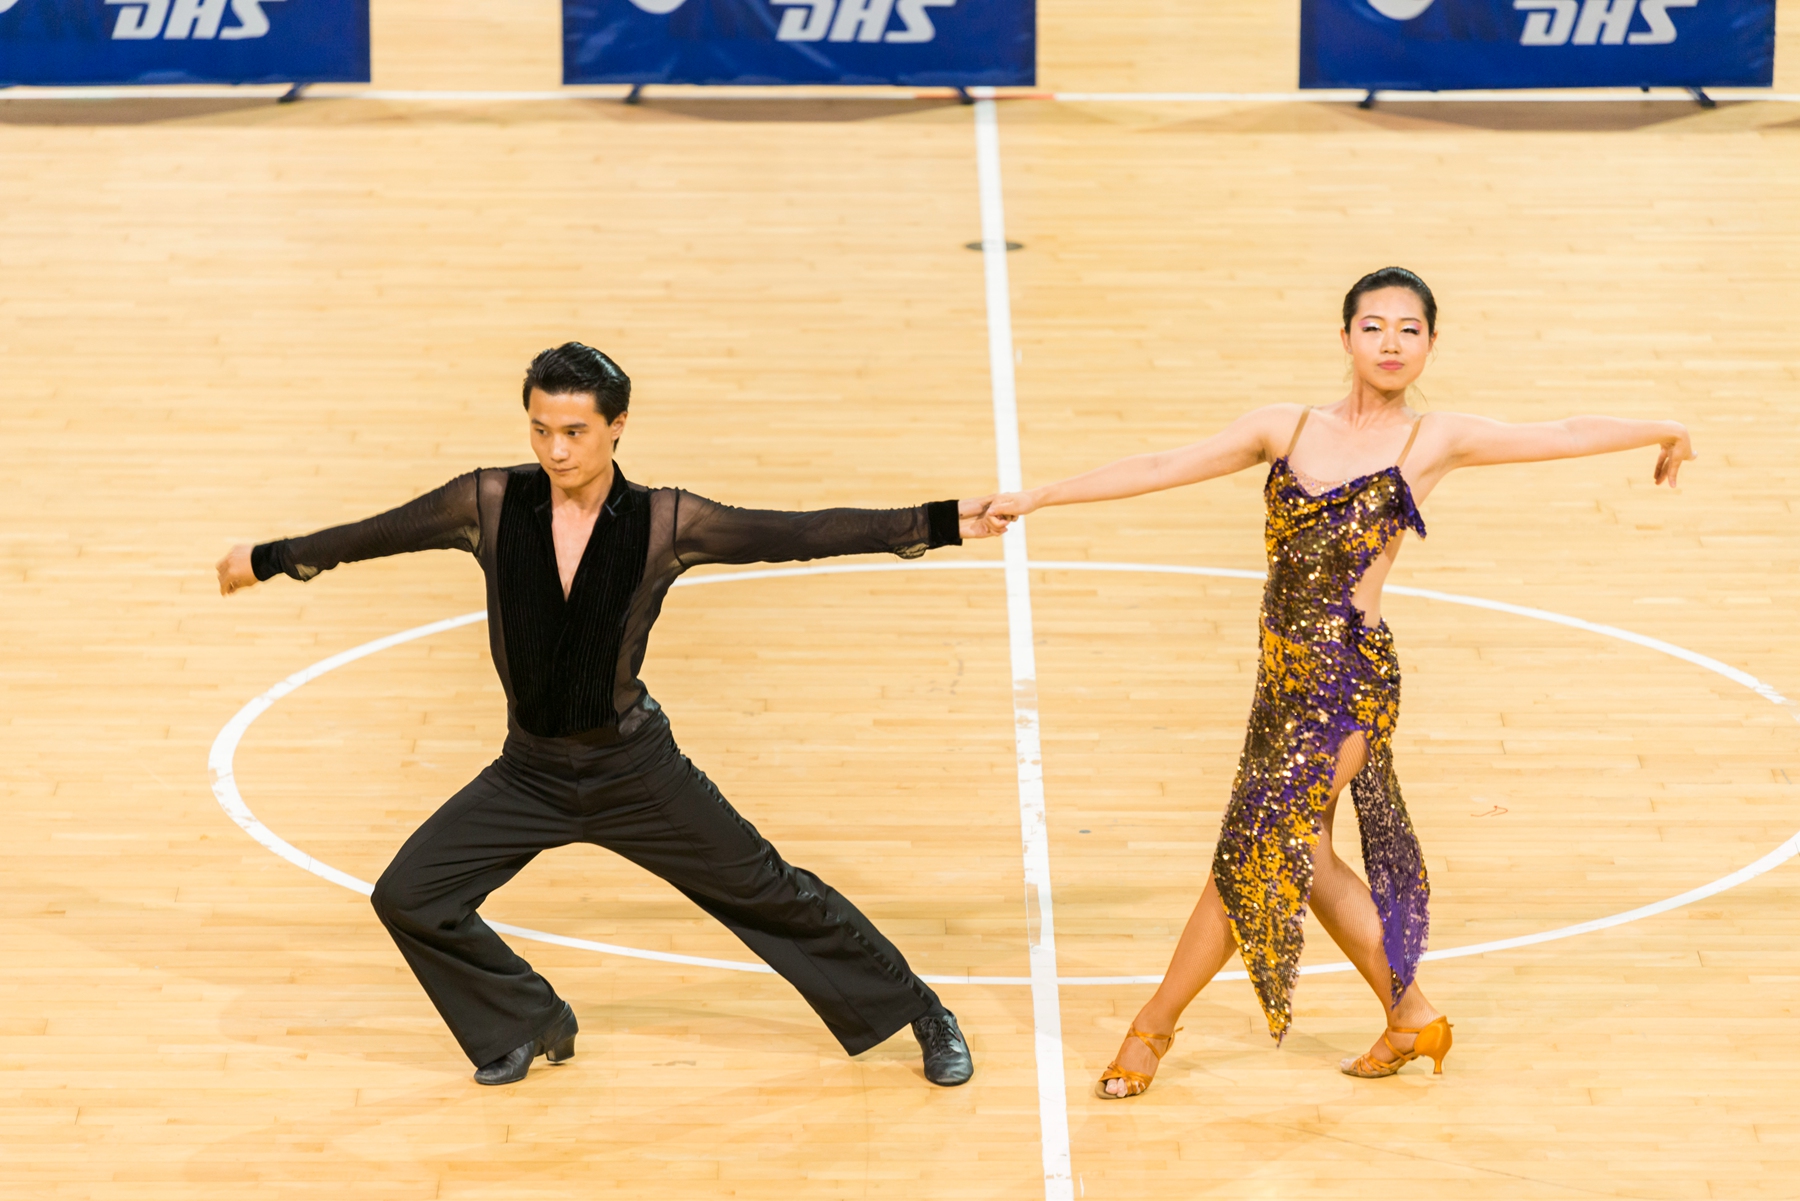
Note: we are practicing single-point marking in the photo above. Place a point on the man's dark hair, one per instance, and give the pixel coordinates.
(582, 370)
(1391, 277)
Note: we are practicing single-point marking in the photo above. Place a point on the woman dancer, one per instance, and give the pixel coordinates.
(1328, 686)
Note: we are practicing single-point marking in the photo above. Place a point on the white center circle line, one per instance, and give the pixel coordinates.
(225, 789)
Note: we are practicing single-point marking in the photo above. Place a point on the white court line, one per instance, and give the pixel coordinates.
(1034, 832)
(614, 93)
(225, 790)
(224, 750)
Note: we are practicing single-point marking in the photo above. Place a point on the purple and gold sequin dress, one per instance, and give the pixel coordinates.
(1323, 677)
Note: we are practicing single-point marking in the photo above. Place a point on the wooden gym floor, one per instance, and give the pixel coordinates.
(224, 320)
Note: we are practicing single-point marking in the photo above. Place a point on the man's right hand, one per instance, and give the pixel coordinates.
(971, 518)
(235, 571)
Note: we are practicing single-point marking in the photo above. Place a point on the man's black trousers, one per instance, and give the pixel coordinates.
(641, 797)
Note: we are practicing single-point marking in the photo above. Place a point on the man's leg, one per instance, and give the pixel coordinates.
(687, 833)
(489, 997)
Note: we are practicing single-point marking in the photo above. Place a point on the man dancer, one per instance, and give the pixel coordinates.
(578, 560)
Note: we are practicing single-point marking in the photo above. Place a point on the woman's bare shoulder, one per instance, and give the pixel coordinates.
(1275, 418)
(1287, 411)
(1273, 425)
(1448, 429)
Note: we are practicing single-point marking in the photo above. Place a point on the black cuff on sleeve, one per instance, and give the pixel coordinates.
(263, 561)
(945, 524)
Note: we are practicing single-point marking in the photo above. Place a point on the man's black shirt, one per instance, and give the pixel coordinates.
(562, 652)
(571, 665)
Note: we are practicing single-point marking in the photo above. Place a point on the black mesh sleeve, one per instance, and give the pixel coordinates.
(264, 562)
(709, 532)
(445, 519)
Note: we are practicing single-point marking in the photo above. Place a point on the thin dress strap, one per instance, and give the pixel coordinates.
(1295, 440)
(1420, 420)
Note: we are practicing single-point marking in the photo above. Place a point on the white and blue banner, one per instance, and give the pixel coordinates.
(927, 43)
(1437, 45)
(67, 42)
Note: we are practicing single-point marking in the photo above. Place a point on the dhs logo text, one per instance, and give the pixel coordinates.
(1595, 22)
(179, 20)
(856, 20)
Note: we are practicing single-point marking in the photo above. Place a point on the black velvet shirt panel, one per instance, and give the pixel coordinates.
(562, 652)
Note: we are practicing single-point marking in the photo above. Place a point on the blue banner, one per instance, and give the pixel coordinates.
(66, 42)
(1433, 45)
(929, 43)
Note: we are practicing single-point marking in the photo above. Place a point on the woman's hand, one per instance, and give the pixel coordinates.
(235, 571)
(1008, 507)
(1676, 450)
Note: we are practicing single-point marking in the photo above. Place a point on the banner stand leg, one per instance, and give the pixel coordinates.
(292, 94)
(962, 95)
(1367, 101)
(1702, 99)
(635, 95)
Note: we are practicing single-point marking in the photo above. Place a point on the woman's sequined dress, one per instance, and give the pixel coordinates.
(1323, 677)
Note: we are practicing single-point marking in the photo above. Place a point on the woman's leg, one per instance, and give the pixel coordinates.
(1343, 906)
(1206, 945)
(1341, 902)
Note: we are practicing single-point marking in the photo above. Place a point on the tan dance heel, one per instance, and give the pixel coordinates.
(1433, 1041)
(1135, 1082)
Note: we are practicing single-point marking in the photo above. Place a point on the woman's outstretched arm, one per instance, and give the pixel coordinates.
(1244, 443)
(1481, 441)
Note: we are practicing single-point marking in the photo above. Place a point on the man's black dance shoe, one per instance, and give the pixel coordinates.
(947, 1060)
(555, 1044)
